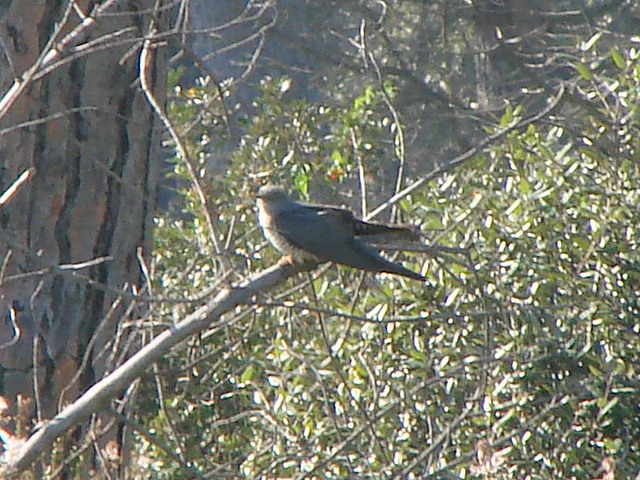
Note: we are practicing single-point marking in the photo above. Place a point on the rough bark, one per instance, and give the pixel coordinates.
(92, 197)
(205, 317)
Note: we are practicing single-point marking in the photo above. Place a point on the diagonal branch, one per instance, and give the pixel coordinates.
(460, 159)
(54, 50)
(93, 400)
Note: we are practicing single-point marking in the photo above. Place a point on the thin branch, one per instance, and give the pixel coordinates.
(103, 42)
(53, 51)
(426, 317)
(71, 270)
(16, 329)
(56, 268)
(48, 118)
(15, 186)
(399, 143)
(94, 399)
(460, 159)
(154, 440)
(438, 441)
(88, 353)
(145, 62)
(340, 447)
(361, 172)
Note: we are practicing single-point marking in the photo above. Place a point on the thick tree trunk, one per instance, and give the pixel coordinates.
(92, 197)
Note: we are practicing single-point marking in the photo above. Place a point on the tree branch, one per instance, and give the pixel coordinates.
(54, 51)
(470, 153)
(94, 399)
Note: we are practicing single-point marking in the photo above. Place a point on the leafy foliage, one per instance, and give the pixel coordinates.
(517, 360)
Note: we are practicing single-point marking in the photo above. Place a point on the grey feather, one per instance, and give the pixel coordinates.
(323, 233)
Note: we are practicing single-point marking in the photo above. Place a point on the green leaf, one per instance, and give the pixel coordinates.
(584, 71)
(507, 117)
(301, 181)
(607, 408)
(613, 444)
(618, 59)
(247, 374)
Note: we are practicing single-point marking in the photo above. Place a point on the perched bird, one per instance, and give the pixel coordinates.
(313, 234)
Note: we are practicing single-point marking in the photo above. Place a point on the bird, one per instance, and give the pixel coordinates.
(309, 235)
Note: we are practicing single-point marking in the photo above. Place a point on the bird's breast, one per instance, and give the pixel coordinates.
(264, 219)
(285, 247)
(278, 240)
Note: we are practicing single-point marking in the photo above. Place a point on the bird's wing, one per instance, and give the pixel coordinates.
(362, 228)
(367, 229)
(317, 230)
(328, 233)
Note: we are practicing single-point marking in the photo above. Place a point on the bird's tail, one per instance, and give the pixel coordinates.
(363, 256)
(362, 228)
(398, 269)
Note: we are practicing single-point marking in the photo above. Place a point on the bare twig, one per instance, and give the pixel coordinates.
(468, 154)
(361, 172)
(15, 186)
(48, 118)
(53, 51)
(16, 329)
(93, 400)
(145, 82)
(399, 145)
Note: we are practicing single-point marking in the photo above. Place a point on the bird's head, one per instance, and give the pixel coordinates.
(274, 199)
(272, 193)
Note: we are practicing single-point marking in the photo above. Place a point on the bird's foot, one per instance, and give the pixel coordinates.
(304, 264)
(287, 260)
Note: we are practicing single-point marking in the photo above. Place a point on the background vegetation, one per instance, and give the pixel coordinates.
(507, 131)
(517, 359)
